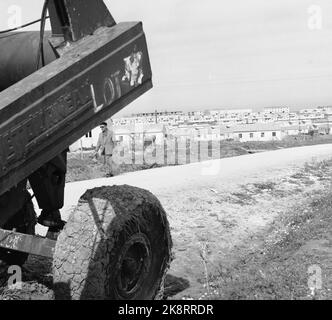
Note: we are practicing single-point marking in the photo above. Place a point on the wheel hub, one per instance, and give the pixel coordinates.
(134, 264)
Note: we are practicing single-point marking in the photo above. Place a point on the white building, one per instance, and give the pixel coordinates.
(258, 132)
(125, 135)
(277, 110)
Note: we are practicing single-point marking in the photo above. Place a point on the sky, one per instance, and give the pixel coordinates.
(210, 54)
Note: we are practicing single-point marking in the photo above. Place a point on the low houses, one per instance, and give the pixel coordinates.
(155, 132)
(292, 130)
(125, 135)
(202, 132)
(89, 141)
(323, 125)
(140, 133)
(214, 133)
(258, 132)
(238, 125)
(182, 132)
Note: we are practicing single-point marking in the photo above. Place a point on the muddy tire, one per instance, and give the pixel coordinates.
(24, 222)
(116, 245)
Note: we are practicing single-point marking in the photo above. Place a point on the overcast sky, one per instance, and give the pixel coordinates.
(226, 54)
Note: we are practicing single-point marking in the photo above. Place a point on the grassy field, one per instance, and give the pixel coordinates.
(294, 258)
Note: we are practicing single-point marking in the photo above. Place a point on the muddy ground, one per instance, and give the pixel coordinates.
(259, 238)
(274, 234)
(263, 240)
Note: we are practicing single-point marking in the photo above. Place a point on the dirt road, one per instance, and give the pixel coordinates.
(217, 208)
(220, 175)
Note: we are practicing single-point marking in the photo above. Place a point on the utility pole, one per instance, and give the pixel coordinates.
(328, 122)
(156, 116)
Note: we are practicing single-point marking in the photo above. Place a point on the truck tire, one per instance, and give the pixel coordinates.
(116, 245)
(24, 222)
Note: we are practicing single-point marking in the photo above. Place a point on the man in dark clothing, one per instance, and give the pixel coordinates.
(105, 147)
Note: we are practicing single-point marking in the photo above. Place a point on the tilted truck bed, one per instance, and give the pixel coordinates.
(116, 244)
(43, 114)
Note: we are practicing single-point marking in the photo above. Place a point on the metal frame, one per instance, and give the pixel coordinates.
(49, 110)
(75, 19)
(26, 243)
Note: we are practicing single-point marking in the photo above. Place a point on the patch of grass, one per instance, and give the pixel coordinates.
(298, 176)
(266, 186)
(242, 198)
(280, 269)
(227, 223)
(308, 182)
(295, 242)
(83, 167)
(312, 172)
(248, 193)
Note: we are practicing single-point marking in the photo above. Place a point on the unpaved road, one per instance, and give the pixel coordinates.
(215, 208)
(220, 175)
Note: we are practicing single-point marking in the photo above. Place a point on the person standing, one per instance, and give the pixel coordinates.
(105, 147)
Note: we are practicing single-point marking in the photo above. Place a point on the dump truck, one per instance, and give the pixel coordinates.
(55, 86)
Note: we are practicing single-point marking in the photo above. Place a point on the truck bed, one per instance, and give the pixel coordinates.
(43, 114)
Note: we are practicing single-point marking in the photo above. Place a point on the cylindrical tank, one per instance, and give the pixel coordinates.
(18, 56)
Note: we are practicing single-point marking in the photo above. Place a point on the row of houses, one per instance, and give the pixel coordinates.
(281, 115)
(157, 133)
